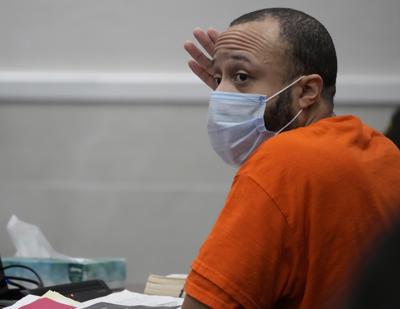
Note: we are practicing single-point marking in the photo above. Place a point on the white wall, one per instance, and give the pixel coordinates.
(128, 48)
(147, 35)
(102, 127)
(134, 181)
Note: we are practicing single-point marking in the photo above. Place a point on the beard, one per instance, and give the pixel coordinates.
(279, 113)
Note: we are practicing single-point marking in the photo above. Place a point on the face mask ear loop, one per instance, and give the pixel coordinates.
(284, 89)
(290, 122)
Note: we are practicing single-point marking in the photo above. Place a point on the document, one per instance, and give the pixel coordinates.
(112, 306)
(128, 299)
(118, 300)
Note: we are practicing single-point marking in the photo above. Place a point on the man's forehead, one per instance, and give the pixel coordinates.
(258, 38)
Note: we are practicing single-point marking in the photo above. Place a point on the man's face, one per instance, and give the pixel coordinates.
(249, 58)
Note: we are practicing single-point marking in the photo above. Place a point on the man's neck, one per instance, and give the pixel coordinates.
(318, 111)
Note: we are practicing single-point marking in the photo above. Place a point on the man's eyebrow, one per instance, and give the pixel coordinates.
(234, 57)
(240, 58)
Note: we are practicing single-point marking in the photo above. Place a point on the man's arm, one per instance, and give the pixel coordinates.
(246, 262)
(191, 303)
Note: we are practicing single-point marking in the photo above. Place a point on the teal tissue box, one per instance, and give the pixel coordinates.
(59, 271)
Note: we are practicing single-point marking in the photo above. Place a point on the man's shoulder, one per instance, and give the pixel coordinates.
(288, 149)
(329, 146)
(297, 152)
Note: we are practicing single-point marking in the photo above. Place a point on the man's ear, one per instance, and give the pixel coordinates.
(309, 90)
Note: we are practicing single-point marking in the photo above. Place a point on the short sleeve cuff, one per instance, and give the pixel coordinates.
(208, 293)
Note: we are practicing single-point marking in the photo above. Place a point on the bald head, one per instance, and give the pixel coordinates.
(304, 41)
(262, 53)
(261, 39)
(257, 46)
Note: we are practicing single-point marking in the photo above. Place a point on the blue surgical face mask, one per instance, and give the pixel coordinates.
(236, 124)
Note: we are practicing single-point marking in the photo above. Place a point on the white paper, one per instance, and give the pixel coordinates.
(57, 297)
(128, 298)
(124, 298)
(177, 276)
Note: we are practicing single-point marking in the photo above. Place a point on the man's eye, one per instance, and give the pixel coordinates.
(241, 77)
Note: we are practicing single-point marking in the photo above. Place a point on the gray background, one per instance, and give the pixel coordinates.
(102, 127)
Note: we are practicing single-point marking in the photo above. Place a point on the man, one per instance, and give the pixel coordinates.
(313, 190)
(393, 132)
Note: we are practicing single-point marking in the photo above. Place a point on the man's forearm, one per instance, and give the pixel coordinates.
(191, 303)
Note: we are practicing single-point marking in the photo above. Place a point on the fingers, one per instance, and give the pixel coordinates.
(201, 64)
(198, 55)
(206, 77)
(204, 39)
(213, 34)
(207, 40)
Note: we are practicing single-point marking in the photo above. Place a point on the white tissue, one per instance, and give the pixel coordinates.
(29, 240)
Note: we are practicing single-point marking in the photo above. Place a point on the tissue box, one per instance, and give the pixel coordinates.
(58, 271)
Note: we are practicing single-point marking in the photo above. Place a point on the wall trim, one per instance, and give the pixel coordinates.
(163, 87)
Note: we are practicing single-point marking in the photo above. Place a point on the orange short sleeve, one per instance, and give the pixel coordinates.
(247, 256)
(210, 294)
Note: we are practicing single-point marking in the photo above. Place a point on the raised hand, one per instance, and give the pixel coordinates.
(200, 63)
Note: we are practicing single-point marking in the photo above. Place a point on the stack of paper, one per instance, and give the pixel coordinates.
(119, 300)
(170, 285)
(49, 300)
(128, 299)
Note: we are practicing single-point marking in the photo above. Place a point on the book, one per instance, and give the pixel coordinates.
(170, 285)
